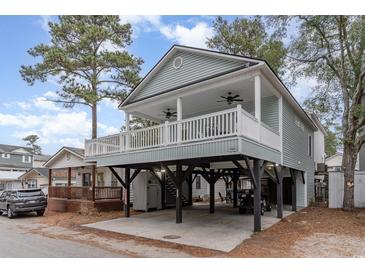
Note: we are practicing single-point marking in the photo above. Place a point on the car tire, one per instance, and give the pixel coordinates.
(1, 213)
(40, 212)
(10, 213)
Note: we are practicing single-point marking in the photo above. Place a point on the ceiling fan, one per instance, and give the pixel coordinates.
(230, 98)
(168, 113)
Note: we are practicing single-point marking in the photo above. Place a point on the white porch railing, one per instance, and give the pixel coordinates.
(231, 122)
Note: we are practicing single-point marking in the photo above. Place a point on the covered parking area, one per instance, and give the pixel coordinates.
(222, 231)
(231, 168)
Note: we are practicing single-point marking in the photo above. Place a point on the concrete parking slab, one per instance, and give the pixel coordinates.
(221, 231)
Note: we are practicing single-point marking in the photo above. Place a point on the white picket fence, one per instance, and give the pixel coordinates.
(231, 122)
(336, 185)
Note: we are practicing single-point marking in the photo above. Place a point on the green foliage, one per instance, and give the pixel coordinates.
(31, 141)
(331, 49)
(88, 57)
(327, 110)
(249, 37)
(331, 143)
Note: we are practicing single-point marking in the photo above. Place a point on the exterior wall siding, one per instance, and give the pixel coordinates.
(295, 150)
(269, 111)
(252, 148)
(195, 67)
(16, 161)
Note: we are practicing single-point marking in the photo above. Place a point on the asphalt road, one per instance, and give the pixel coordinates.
(17, 242)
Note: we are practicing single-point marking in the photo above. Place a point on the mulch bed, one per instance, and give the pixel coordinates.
(278, 239)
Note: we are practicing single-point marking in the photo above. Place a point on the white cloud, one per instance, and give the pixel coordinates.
(111, 103)
(72, 142)
(23, 105)
(44, 103)
(54, 124)
(108, 130)
(45, 19)
(146, 23)
(195, 36)
(50, 94)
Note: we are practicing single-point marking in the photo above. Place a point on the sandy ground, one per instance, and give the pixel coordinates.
(311, 232)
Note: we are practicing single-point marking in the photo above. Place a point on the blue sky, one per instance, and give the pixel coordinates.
(23, 108)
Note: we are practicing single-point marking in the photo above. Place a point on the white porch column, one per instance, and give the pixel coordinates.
(258, 97)
(239, 119)
(179, 118)
(127, 128)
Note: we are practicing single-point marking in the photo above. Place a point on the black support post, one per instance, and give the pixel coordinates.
(128, 191)
(211, 191)
(178, 193)
(190, 185)
(163, 189)
(279, 191)
(293, 174)
(257, 194)
(235, 179)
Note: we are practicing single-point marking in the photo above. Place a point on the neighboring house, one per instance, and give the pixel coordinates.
(76, 187)
(35, 178)
(39, 160)
(14, 161)
(218, 115)
(334, 162)
(15, 158)
(10, 180)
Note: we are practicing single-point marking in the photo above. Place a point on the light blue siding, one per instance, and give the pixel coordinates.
(269, 111)
(195, 67)
(295, 149)
(15, 161)
(256, 150)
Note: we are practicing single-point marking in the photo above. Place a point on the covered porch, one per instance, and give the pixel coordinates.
(74, 184)
(245, 106)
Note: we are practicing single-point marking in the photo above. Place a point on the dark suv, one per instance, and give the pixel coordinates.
(22, 201)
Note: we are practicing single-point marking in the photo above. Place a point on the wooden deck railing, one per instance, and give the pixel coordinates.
(226, 123)
(84, 193)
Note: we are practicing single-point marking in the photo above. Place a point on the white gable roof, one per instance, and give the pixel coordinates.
(66, 157)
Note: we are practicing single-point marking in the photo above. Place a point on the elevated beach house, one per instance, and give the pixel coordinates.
(219, 116)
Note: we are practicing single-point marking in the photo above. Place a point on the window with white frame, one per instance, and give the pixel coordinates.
(27, 159)
(310, 145)
(5, 155)
(32, 184)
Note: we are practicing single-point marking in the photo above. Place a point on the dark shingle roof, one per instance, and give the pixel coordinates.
(41, 157)
(42, 171)
(11, 148)
(77, 150)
